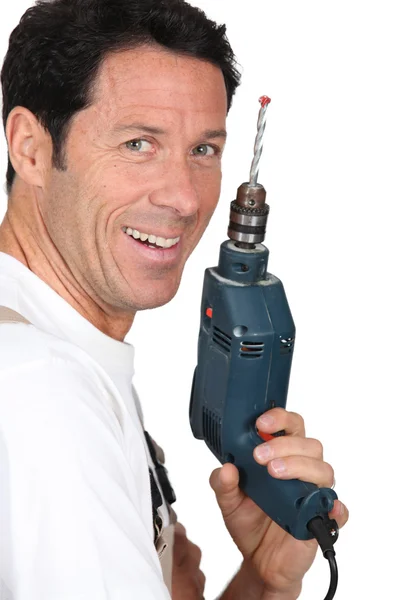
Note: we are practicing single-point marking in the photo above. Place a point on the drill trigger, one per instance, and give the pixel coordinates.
(267, 437)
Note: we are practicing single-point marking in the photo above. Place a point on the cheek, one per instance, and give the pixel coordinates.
(208, 196)
(60, 201)
(209, 188)
(102, 191)
(118, 181)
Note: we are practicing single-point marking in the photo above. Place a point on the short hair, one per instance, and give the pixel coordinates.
(57, 48)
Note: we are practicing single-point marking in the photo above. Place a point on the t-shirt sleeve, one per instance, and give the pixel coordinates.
(71, 518)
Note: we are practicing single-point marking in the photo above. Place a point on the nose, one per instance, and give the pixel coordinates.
(178, 190)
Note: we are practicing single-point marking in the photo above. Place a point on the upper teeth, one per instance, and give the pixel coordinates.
(153, 239)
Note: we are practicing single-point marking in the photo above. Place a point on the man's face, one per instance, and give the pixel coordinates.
(145, 155)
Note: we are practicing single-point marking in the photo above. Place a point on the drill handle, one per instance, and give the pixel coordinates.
(290, 503)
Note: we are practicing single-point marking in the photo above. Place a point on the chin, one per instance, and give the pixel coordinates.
(155, 296)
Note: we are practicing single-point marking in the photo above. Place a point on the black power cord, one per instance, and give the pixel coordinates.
(326, 532)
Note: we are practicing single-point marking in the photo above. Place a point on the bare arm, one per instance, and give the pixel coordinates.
(188, 580)
(246, 584)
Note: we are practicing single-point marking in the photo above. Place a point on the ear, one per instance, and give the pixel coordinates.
(29, 146)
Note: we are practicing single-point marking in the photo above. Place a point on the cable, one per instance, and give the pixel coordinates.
(334, 575)
(326, 532)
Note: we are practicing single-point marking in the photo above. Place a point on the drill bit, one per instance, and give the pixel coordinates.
(258, 146)
(249, 212)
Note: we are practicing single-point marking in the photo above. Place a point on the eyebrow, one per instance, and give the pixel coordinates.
(209, 134)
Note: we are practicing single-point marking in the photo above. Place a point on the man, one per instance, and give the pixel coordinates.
(115, 114)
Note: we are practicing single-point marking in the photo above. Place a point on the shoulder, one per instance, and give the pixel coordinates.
(48, 381)
(58, 430)
(29, 354)
(23, 345)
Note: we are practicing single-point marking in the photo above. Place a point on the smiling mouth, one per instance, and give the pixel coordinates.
(150, 240)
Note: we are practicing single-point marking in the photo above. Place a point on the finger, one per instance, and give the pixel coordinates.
(225, 483)
(300, 467)
(201, 583)
(277, 419)
(194, 554)
(180, 529)
(186, 552)
(340, 513)
(179, 551)
(281, 447)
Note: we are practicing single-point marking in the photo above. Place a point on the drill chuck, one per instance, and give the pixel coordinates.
(249, 212)
(248, 216)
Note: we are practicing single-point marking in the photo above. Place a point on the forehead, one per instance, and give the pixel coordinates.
(151, 79)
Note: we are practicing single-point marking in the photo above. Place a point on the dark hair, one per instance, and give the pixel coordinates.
(58, 46)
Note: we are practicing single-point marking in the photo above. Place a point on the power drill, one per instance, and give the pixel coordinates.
(245, 351)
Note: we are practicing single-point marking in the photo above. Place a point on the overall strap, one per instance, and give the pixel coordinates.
(7, 315)
(162, 473)
(163, 536)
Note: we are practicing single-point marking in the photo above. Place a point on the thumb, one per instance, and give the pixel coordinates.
(225, 483)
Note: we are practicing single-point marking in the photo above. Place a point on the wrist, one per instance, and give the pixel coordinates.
(245, 584)
(249, 585)
(291, 593)
(263, 590)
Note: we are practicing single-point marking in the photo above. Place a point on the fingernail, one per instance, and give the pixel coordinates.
(263, 452)
(267, 420)
(278, 466)
(341, 509)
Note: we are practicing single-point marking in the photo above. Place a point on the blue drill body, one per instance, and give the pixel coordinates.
(245, 352)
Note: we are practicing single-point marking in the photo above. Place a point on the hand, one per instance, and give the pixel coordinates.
(278, 559)
(187, 580)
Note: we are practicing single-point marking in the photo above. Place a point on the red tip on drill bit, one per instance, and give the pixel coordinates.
(264, 100)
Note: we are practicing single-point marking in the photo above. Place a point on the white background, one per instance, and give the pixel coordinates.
(331, 169)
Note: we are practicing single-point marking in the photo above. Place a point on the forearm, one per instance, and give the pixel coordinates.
(246, 585)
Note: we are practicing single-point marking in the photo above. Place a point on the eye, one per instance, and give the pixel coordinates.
(205, 150)
(139, 145)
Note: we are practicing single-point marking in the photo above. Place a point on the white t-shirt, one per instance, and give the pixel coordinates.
(75, 500)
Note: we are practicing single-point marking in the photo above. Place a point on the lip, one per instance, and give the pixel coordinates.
(163, 256)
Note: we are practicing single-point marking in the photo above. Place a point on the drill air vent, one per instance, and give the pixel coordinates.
(286, 345)
(222, 339)
(212, 429)
(251, 349)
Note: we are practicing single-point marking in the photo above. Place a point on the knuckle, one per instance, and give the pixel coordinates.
(278, 412)
(330, 473)
(318, 447)
(180, 529)
(196, 553)
(344, 515)
(299, 420)
(213, 476)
